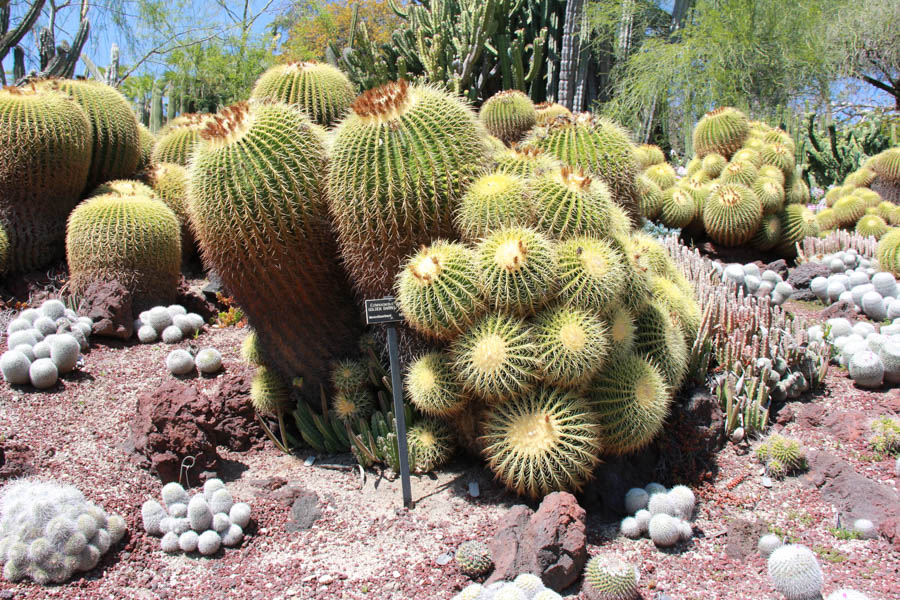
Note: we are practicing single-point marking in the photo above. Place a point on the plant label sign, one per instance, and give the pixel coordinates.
(382, 311)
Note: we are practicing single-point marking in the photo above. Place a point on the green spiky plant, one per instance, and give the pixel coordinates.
(517, 267)
(722, 131)
(349, 375)
(797, 223)
(133, 239)
(622, 332)
(680, 305)
(608, 577)
(431, 443)
(886, 165)
(438, 290)
(400, 162)
(251, 353)
(872, 225)
(350, 406)
(432, 386)
(797, 192)
(779, 156)
(547, 112)
(679, 207)
(768, 234)
(591, 273)
(322, 91)
(848, 210)
(4, 250)
(781, 455)
(888, 252)
(270, 396)
(713, 164)
(114, 131)
(524, 162)
(659, 340)
(739, 171)
(861, 177)
(570, 203)
(870, 198)
(662, 175)
(572, 345)
(752, 156)
(648, 155)
(147, 141)
(732, 214)
(508, 115)
(649, 197)
(543, 441)
(770, 194)
(497, 358)
(123, 187)
(474, 558)
(45, 157)
(770, 172)
(176, 141)
(825, 219)
(632, 401)
(600, 148)
(170, 182)
(493, 201)
(257, 204)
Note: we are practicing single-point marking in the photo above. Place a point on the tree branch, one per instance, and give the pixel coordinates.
(881, 86)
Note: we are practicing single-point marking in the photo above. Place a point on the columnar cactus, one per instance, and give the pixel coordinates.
(257, 204)
(45, 158)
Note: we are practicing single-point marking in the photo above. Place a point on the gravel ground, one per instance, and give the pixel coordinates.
(364, 546)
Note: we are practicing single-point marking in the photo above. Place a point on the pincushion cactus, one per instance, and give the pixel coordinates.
(768, 544)
(636, 499)
(14, 366)
(43, 373)
(781, 455)
(630, 528)
(608, 577)
(208, 361)
(49, 532)
(795, 572)
(474, 558)
(866, 369)
(664, 530)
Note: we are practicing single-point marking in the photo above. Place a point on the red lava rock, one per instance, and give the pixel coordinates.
(269, 483)
(855, 496)
(194, 302)
(847, 426)
(806, 272)
(786, 414)
(549, 543)
(15, 459)
(779, 266)
(176, 421)
(108, 303)
(811, 415)
(285, 495)
(890, 528)
(844, 308)
(742, 538)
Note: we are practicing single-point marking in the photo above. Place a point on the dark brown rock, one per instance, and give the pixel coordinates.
(194, 302)
(16, 459)
(779, 266)
(806, 272)
(108, 304)
(176, 421)
(855, 496)
(847, 426)
(549, 542)
(742, 537)
(844, 308)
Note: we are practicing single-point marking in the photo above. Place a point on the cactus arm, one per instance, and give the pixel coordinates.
(537, 56)
(517, 50)
(12, 38)
(503, 49)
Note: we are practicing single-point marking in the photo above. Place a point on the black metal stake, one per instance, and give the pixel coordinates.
(399, 413)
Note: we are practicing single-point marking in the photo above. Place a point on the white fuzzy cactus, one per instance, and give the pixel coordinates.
(64, 352)
(529, 583)
(173, 493)
(865, 528)
(630, 528)
(14, 366)
(179, 362)
(171, 335)
(768, 544)
(199, 514)
(209, 543)
(43, 373)
(152, 514)
(661, 504)
(683, 501)
(635, 500)
(48, 532)
(643, 517)
(866, 369)
(655, 488)
(158, 318)
(795, 572)
(208, 360)
(470, 592)
(147, 334)
(547, 594)
(664, 530)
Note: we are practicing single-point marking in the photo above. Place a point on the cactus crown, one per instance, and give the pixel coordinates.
(227, 125)
(384, 102)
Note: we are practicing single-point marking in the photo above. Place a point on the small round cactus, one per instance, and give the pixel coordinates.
(661, 504)
(795, 572)
(608, 577)
(768, 544)
(14, 366)
(43, 373)
(866, 369)
(474, 558)
(179, 362)
(529, 583)
(630, 528)
(636, 499)
(432, 386)
(683, 501)
(208, 361)
(664, 530)
(209, 542)
(508, 115)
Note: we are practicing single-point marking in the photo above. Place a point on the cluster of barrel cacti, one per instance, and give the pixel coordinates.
(741, 187)
(49, 532)
(867, 200)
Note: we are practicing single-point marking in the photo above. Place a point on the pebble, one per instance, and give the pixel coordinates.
(326, 579)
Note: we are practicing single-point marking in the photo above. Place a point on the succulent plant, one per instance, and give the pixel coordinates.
(250, 350)
(268, 392)
(431, 443)
(352, 405)
(631, 400)
(630, 528)
(474, 558)
(768, 544)
(43, 373)
(888, 252)
(135, 240)
(649, 197)
(683, 501)
(508, 115)
(770, 194)
(572, 345)
(176, 141)
(179, 362)
(679, 207)
(795, 572)
(547, 112)
(497, 358)
(257, 202)
(494, 201)
(48, 532)
(517, 268)
(322, 91)
(600, 148)
(797, 223)
(713, 164)
(722, 131)
(622, 330)
(636, 499)
(741, 172)
(781, 455)
(608, 577)
(680, 305)
(664, 530)
(524, 162)
(848, 210)
(648, 155)
(116, 142)
(591, 273)
(661, 342)
(866, 369)
(886, 165)
(542, 441)
(208, 360)
(662, 175)
(45, 157)
(438, 290)
(349, 375)
(732, 214)
(147, 141)
(400, 163)
(14, 366)
(570, 203)
(432, 386)
(872, 225)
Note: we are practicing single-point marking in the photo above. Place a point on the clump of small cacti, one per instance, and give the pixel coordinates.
(203, 522)
(664, 515)
(608, 577)
(781, 455)
(474, 558)
(49, 532)
(170, 324)
(524, 587)
(795, 572)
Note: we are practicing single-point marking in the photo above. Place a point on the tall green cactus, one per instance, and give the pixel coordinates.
(830, 159)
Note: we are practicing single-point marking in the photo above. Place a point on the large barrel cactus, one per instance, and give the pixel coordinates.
(508, 115)
(170, 182)
(117, 146)
(148, 140)
(322, 91)
(45, 154)
(400, 162)
(597, 146)
(177, 140)
(257, 206)
(133, 239)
